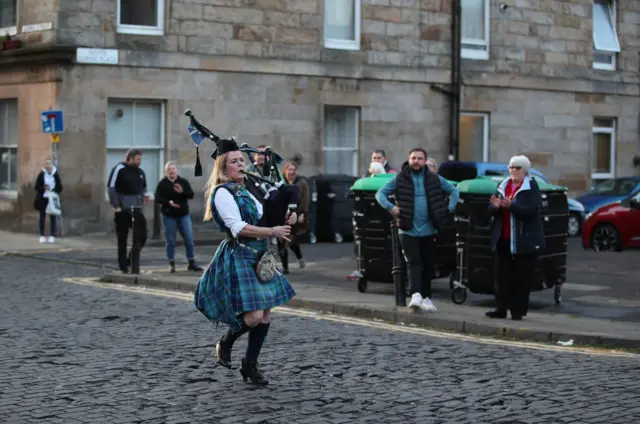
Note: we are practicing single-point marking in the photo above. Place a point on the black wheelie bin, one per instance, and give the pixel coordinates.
(333, 207)
(475, 263)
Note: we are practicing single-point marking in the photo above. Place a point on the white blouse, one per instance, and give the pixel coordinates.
(228, 210)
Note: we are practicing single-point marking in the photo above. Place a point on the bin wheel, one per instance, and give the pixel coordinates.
(459, 296)
(362, 285)
(557, 294)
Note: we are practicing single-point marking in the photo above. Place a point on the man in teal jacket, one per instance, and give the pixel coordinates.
(421, 211)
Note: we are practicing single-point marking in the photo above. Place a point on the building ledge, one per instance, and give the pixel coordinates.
(37, 55)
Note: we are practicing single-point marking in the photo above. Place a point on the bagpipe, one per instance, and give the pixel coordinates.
(277, 196)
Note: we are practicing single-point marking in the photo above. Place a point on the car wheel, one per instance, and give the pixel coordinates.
(606, 238)
(574, 225)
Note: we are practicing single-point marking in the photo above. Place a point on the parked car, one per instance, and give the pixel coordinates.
(462, 170)
(608, 191)
(614, 226)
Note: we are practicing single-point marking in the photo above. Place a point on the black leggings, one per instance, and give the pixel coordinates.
(284, 253)
(419, 254)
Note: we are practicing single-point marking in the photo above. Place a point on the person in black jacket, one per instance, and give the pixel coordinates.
(517, 238)
(48, 180)
(128, 192)
(173, 194)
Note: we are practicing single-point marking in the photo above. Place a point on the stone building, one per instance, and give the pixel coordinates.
(328, 79)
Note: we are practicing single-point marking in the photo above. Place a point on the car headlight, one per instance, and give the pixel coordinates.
(588, 215)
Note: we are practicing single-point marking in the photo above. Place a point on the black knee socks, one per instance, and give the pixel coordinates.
(257, 337)
(234, 334)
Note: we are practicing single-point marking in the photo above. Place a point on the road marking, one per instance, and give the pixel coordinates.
(365, 323)
(583, 287)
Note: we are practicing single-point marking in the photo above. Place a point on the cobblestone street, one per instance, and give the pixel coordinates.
(82, 354)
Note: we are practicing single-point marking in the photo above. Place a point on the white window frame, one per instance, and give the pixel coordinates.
(9, 194)
(475, 53)
(485, 132)
(353, 150)
(613, 54)
(612, 150)
(142, 29)
(12, 30)
(144, 148)
(340, 44)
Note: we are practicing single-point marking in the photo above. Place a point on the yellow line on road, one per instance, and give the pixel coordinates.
(367, 323)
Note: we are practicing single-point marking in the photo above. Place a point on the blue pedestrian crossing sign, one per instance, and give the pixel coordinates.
(52, 122)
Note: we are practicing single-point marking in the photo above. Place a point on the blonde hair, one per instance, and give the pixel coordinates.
(433, 161)
(218, 176)
(168, 164)
(286, 167)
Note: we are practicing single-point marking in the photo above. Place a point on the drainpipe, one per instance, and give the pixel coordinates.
(456, 81)
(454, 89)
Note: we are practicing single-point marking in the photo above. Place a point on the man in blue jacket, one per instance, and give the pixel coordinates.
(421, 211)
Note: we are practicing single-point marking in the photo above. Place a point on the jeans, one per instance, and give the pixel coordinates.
(171, 227)
(419, 254)
(43, 217)
(123, 221)
(516, 275)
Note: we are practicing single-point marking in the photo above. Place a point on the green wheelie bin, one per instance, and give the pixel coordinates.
(372, 236)
(475, 263)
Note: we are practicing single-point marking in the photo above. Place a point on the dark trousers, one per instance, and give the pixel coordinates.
(123, 220)
(284, 253)
(419, 254)
(43, 217)
(516, 275)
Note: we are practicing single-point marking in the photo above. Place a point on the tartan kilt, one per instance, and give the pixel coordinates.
(229, 286)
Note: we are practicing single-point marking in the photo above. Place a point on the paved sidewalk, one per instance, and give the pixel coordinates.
(542, 327)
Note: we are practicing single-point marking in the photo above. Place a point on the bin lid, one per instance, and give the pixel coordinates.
(487, 184)
(376, 182)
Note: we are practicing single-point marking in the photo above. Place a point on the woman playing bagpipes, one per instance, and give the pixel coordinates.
(242, 283)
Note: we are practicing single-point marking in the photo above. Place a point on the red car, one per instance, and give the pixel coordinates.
(613, 227)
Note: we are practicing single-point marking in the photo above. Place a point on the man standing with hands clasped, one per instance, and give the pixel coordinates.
(421, 211)
(173, 194)
(127, 192)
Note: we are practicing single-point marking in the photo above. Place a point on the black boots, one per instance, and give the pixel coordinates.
(250, 371)
(223, 353)
(172, 267)
(192, 266)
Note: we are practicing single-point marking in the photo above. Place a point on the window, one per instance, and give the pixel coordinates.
(8, 145)
(138, 124)
(605, 36)
(342, 24)
(141, 17)
(340, 149)
(8, 17)
(474, 137)
(603, 150)
(475, 29)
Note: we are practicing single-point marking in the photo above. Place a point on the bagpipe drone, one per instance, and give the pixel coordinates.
(278, 196)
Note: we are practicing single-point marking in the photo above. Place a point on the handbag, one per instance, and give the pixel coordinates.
(266, 265)
(53, 207)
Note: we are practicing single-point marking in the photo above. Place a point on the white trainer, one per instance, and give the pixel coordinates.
(428, 305)
(43, 239)
(52, 239)
(416, 301)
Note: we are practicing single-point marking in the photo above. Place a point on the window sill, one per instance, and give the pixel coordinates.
(474, 54)
(604, 66)
(8, 194)
(139, 30)
(609, 176)
(342, 44)
(12, 30)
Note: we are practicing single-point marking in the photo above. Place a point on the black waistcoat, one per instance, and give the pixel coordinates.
(436, 199)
